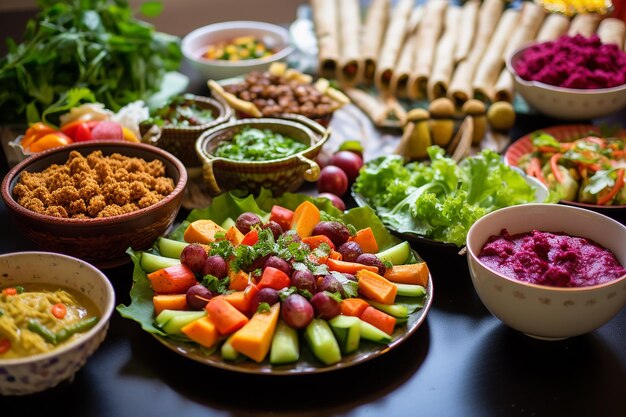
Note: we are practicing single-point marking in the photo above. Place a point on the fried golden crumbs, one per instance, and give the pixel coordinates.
(94, 186)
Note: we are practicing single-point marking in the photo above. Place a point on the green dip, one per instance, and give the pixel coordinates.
(258, 145)
(182, 111)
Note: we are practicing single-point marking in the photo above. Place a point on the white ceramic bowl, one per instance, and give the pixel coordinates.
(566, 103)
(541, 311)
(39, 372)
(195, 43)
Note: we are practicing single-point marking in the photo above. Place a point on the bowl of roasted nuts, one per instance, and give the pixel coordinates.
(95, 200)
(279, 91)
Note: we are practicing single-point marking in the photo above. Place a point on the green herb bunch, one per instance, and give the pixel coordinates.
(96, 46)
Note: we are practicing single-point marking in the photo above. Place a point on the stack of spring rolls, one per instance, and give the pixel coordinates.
(434, 48)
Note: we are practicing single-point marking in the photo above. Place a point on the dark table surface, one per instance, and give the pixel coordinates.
(460, 362)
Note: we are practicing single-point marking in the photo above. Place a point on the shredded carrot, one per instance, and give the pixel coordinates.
(555, 167)
(619, 183)
(534, 169)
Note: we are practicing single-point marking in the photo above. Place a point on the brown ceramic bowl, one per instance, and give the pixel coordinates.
(100, 241)
(277, 175)
(181, 140)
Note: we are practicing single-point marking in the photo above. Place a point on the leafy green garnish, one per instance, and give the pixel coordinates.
(286, 292)
(95, 46)
(215, 284)
(222, 248)
(263, 308)
(350, 288)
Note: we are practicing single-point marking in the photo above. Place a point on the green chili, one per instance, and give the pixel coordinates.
(78, 327)
(36, 327)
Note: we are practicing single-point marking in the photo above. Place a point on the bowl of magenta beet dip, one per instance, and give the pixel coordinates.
(549, 271)
(572, 77)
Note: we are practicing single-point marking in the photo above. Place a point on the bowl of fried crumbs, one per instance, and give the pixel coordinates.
(95, 200)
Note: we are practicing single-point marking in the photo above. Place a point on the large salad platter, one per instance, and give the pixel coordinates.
(228, 205)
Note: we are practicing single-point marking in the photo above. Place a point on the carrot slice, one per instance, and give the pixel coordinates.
(348, 267)
(353, 306)
(379, 319)
(317, 240)
(554, 166)
(226, 318)
(274, 278)
(408, 274)
(366, 240)
(619, 183)
(376, 287)
(202, 331)
(305, 218)
(174, 279)
(169, 302)
(254, 339)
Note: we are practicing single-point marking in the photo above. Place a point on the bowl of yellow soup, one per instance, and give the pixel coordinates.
(54, 314)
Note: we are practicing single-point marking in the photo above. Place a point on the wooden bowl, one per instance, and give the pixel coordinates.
(100, 241)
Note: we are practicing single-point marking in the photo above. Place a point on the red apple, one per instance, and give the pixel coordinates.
(349, 162)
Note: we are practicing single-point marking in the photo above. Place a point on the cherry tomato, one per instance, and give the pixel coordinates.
(9, 291)
(58, 310)
(83, 133)
(5, 346)
(49, 141)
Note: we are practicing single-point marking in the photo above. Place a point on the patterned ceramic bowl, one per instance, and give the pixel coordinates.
(541, 311)
(39, 372)
(278, 175)
(181, 140)
(100, 241)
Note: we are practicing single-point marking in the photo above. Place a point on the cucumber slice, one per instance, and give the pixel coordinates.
(171, 248)
(347, 330)
(410, 290)
(373, 334)
(227, 223)
(396, 310)
(151, 263)
(322, 341)
(397, 255)
(228, 351)
(172, 321)
(285, 345)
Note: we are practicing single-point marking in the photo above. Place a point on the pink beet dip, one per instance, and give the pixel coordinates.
(574, 62)
(551, 259)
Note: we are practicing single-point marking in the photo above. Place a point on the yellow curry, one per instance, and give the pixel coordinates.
(38, 320)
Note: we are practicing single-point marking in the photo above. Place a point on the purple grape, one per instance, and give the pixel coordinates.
(215, 265)
(247, 221)
(264, 295)
(335, 231)
(296, 311)
(193, 257)
(278, 263)
(372, 260)
(350, 251)
(325, 306)
(198, 296)
(304, 280)
(331, 284)
(276, 229)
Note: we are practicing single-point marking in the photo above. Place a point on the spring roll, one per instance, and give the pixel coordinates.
(350, 64)
(326, 29)
(584, 24)
(491, 63)
(612, 30)
(531, 19)
(400, 77)
(428, 34)
(553, 27)
(390, 50)
(372, 34)
(467, 29)
(460, 89)
(444, 56)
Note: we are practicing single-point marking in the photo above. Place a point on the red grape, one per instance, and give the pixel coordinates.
(296, 311)
(349, 162)
(325, 306)
(332, 180)
(215, 265)
(335, 199)
(197, 297)
(193, 257)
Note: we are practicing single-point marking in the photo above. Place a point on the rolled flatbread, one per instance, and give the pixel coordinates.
(400, 77)
(467, 29)
(492, 61)
(372, 36)
(428, 34)
(350, 63)
(584, 24)
(612, 30)
(531, 18)
(460, 89)
(444, 56)
(554, 26)
(326, 29)
(390, 51)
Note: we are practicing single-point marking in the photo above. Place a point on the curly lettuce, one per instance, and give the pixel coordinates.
(440, 200)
